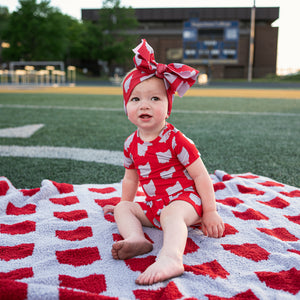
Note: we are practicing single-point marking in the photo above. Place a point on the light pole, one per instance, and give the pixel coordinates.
(251, 43)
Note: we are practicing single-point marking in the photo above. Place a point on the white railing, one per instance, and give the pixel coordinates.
(30, 76)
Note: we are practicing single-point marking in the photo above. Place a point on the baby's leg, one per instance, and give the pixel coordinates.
(174, 220)
(130, 218)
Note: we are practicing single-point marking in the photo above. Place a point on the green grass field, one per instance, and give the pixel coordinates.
(236, 135)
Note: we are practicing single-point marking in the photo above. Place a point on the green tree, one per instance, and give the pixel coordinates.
(91, 40)
(75, 37)
(36, 31)
(4, 17)
(115, 24)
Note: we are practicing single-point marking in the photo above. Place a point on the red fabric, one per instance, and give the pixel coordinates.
(75, 215)
(164, 158)
(250, 251)
(284, 280)
(65, 201)
(18, 228)
(78, 257)
(24, 210)
(212, 269)
(8, 253)
(170, 292)
(4, 187)
(78, 234)
(280, 233)
(93, 283)
(13, 290)
(177, 77)
(17, 274)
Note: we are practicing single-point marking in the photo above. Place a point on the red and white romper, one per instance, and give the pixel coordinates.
(161, 165)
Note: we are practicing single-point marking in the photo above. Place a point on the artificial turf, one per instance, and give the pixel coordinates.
(236, 135)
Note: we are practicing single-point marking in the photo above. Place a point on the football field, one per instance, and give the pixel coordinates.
(76, 134)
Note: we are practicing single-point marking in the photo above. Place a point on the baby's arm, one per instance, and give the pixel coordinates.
(130, 185)
(212, 224)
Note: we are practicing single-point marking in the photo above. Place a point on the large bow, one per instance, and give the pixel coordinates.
(177, 77)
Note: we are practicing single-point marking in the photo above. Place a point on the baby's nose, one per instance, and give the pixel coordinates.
(144, 104)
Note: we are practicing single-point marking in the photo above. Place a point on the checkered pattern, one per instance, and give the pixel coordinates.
(55, 244)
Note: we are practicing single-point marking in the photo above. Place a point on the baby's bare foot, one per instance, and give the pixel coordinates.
(164, 268)
(127, 249)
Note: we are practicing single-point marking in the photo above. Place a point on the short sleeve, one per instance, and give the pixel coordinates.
(185, 149)
(128, 161)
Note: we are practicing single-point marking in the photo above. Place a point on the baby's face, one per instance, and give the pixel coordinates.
(147, 107)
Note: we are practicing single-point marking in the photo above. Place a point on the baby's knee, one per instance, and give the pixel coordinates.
(121, 209)
(168, 212)
(180, 210)
(125, 206)
(122, 205)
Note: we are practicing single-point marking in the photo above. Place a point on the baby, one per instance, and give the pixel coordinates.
(179, 192)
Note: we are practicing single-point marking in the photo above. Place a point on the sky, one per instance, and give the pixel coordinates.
(288, 59)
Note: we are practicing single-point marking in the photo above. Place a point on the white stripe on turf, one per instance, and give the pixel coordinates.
(81, 154)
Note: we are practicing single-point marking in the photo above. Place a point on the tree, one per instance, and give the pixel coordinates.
(91, 40)
(36, 32)
(115, 24)
(75, 37)
(4, 17)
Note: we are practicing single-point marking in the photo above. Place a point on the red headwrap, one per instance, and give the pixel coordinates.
(177, 77)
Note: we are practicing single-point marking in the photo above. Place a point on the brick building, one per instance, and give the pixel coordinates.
(163, 28)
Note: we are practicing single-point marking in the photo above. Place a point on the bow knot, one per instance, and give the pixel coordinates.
(160, 70)
(177, 77)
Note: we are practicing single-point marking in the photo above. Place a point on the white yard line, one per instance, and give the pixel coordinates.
(60, 107)
(20, 132)
(224, 112)
(278, 114)
(81, 154)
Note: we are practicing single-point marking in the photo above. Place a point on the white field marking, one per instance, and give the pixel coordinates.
(224, 112)
(278, 114)
(60, 107)
(81, 154)
(20, 132)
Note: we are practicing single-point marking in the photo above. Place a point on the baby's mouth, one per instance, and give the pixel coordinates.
(145, 116)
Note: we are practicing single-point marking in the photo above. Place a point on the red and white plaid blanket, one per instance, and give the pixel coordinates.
(55, 244)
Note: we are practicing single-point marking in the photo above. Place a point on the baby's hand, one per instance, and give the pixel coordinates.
(108, 209)
(212, 224)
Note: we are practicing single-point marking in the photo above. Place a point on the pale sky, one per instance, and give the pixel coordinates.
(288, 22)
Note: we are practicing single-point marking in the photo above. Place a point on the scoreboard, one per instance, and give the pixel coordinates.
(210, 42)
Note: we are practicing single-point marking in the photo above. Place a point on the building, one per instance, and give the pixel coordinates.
(221, 38)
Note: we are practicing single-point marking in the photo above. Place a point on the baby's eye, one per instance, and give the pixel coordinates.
(134, 99)
(155, 98)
